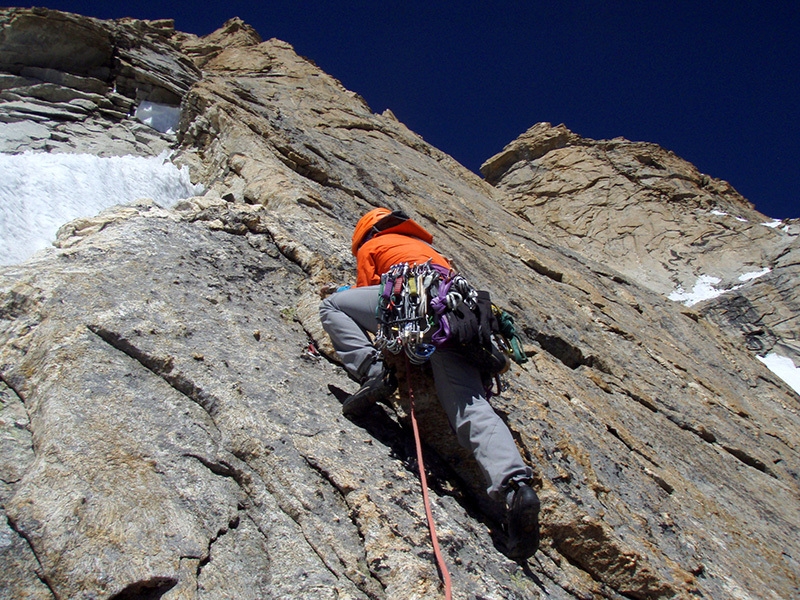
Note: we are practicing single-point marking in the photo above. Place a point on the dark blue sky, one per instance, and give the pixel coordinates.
(718, 83)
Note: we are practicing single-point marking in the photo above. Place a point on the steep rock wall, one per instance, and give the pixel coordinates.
(170, 430)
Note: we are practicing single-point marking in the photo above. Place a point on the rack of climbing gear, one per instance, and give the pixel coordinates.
(412, 306)
(508, 340)
(424, 307)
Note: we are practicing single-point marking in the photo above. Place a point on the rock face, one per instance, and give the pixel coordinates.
(660, 222)
(171, 422)
(72, 83)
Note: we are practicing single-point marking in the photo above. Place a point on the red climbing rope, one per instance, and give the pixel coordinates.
(443, 572)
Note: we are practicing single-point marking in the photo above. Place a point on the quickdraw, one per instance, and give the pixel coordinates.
(508, 340)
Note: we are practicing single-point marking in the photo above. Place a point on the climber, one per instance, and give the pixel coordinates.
(381, 239)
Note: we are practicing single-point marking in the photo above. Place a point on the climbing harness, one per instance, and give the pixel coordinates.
(425, 307)
(443, 572)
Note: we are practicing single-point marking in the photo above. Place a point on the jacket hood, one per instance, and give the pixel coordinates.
(365, 225)
(381, 221)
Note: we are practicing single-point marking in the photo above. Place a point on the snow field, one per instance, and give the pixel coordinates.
(39, 192)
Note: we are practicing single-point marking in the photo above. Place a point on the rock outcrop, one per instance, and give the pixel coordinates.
(72, 83)
(171, 426)
(662, 223)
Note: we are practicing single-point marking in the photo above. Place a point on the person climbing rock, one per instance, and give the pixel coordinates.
(382, 239)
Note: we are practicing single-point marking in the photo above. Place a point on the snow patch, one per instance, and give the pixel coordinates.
(720, 213)
(754, 274)
(39, 192)
(161, 117)
(784, 368)
(774, 224)
(704, 289)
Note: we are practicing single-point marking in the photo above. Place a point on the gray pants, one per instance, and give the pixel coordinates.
(347, 317)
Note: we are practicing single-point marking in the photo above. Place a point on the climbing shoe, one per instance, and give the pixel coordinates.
(374, 389)
(523, 521)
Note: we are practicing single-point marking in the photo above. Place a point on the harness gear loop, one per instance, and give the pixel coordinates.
(443, 572)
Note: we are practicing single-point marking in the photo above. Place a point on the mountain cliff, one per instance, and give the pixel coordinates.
(170, 409)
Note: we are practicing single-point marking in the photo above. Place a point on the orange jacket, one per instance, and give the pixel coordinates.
(384, 250)
(407, 242)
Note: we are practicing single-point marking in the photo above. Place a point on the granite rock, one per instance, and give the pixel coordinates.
(70, 83)
(171, 419)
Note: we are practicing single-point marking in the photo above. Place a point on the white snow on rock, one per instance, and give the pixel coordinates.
(720, 213)
(784, 368)
(39, 192)
(754, 274)
(704, 289)
(161, 117)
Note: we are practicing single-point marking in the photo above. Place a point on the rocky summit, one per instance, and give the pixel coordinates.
(170, 408)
